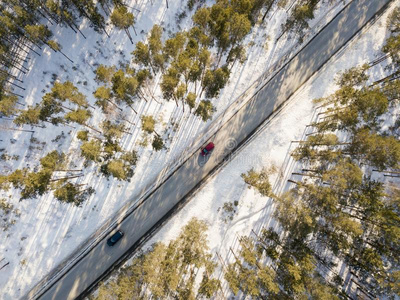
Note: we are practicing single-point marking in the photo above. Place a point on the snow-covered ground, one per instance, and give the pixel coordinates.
(46, 231)
(269, 148)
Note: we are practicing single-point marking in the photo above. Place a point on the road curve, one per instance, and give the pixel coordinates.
(236, 130)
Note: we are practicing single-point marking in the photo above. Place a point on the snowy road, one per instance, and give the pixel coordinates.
(158, 204)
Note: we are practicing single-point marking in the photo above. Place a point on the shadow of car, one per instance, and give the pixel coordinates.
(115, 238)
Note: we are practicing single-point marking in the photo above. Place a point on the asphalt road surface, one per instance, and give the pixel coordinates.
(319, 50)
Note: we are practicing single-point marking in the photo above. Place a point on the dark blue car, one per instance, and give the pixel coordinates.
(115, 238)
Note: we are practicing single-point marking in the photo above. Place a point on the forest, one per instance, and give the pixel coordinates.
(190, 67)
(340, 215)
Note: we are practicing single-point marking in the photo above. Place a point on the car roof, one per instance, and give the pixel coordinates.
(210, 146)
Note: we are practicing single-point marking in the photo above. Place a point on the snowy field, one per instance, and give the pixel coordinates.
(269, 148)
(46, 231)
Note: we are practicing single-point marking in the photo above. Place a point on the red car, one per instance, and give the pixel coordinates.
(207, 149)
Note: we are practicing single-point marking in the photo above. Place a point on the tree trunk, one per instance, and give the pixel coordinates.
(129, 35)
(10, 75)
(132, 108)
(66, 178)
(66, 56)
(114, 104)
(267, 11)
(94, 129)
(126, 120)
(66, 107)
(16, 129)
(15, 84)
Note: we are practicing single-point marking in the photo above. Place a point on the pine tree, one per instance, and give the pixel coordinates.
(191, 100)
(104, 74)
(7, 104)
(169, 83)
(91, 150)
(258, 180)
(205, 110)
(124, 87)
(214, 81)
(83, 135)
(130, 157)
(174, 46)
(121, 18)
(80, 116)
(67, 91)
(103, 97)
(158, 143)
(141, 55)
(57, 48)
(148, 124)
(155, 48)
(30, 116)
(382, 152)
(52, 161)
(392, 44)
(353, 77)
(38, 33)
(69, 193)
(118, 169)
(35, 184)
(300, 15)
(112, 131)
(111, 148)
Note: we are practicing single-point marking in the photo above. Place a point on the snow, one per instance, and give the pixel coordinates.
(48, 232)
(270, 147)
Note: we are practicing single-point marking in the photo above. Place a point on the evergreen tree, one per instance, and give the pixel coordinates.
(130, 157)
(353, 77)
(148, 124)
(71, 193)
(35, 184)
(38, 33)
(191, 100)
(141, 55)
(205, 110)
(103, 97)
(52, 161)
(382, 152)
(121, 18)
(299, 17)
(7, 104)
(112, 131)
(155, 48)
(214, 81)
(104, 74)
(80, 116)
(392, 45)
(30, 116)
(258, 180)
(83, 135)
(117, 169)
(158, 143)
(68, 92)
(91, 150)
